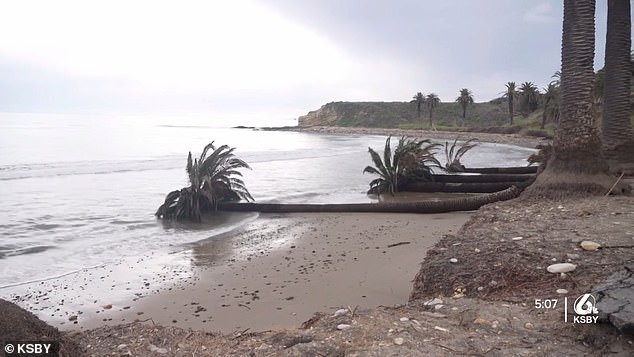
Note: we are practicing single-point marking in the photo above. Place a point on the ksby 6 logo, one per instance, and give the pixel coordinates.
(585, 310)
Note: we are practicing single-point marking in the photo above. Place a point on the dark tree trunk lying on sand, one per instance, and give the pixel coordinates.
(451, 205)
(483, 178)
(460, 187)
(502, 170)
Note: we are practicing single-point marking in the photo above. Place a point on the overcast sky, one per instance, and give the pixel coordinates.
(269, 58)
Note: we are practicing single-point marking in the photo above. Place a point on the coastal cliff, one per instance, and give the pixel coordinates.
(403, 115)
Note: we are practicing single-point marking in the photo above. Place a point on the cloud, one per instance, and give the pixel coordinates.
(542, 14)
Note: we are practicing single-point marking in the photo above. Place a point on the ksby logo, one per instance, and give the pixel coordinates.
(585, 305)
(585, 310)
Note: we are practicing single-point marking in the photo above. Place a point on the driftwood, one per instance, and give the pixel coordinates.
(482, 178)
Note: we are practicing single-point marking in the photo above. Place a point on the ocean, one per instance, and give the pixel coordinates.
(80, 191)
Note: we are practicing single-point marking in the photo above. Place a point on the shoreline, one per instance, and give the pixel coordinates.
(510, 139)
(273, 272)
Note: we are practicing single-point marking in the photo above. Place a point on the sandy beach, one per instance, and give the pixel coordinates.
(275, 271)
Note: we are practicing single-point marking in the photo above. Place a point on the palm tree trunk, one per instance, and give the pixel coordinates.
(576, 165)
(464, 112)
(616, 125)
(431, 121)
(511, 109)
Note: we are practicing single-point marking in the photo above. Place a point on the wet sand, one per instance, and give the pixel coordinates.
(275, 271)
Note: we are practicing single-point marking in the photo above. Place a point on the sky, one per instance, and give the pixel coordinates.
(269, 58)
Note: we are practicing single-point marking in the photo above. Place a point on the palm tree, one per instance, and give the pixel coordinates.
(529, 98)
(616, 126)
(465, 98)
(419, 98)
(551, 104)
(453, 157)
(432, 100)
(410, 156)
(211, 180)
(576, 164)
(511, 95)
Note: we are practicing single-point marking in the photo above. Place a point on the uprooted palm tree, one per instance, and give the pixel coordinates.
(212, 179)
(412, 157)
(453, 156)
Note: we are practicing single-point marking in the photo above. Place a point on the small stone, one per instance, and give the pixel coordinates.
(404, 319)
(477, 250)
(572, 256)
(341, 312)
(453, 260)
(517, 238)
(441, 329)
(589, 245)
(562, 291)
(122, 346)
(480, 288)
(72, 318)
(529, 326)
(342, 327)
(481, 321)
(438, 307)
(561, 268)
(107, 306)
(495, 324)
(159, 350)
(434, 301)
(399, 341)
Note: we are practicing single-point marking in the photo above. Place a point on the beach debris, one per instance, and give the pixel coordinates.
(156, 349)
(453, 260)
(561, 268)
(562, 291)
(481, 321)
(430, 314)
(107, 306)
(589, 245)
(342, 327)
(397, 244)
(432, 302)
(341, 312)
(72, 318)
(399, 341)
(517, 238)
(441, 329)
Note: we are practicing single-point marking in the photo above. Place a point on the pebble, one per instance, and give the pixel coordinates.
(399, 341)
(517, 238)
(589, 245)
(341, 312)
(480, 288)
(572, 256)
(122, 346)
(342, 327)
(562, 291)
(453, 260)
(440, 329)
(529, 326)
(561, 268)
(404, 319)
(160, 350)
(481, 321)
(107, 306)
(438, 306)
(434, 301)
(477, 250)
(72, 318)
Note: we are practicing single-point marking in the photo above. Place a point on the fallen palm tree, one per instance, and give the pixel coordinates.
(450, 205)
(460, 187)
(482, 178)
(502, 170)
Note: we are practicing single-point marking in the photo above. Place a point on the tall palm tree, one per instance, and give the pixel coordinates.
(464, 99)
(211, 180)
(529, 97)
(431, 101)
(419, 99)
(511, 95)
(576, 165)
(551, 104)
(617, 135)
